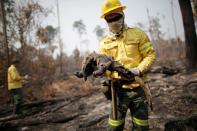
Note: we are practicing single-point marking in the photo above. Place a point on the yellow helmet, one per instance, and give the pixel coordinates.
(111, 6)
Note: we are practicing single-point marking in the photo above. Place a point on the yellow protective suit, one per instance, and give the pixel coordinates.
(14, 79)
(131, 49)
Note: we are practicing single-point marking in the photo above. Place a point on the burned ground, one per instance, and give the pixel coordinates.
(74, 105)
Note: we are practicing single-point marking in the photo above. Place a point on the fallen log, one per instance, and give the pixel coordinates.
(51, 118)
(8, 109)
(190, 82)
(22, 115)
(41, 102)
(39, 108)
(8, 118)
(59, 106)
(35, 108)
(169, 71)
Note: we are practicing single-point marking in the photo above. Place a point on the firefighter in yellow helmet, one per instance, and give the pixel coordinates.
(15, 83)
(132, 48)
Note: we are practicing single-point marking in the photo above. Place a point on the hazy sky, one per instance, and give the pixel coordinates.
(90, 10)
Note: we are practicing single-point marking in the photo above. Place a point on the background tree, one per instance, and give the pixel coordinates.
(190, 33)
(23, 22)
(76, 54)
(5, 44)
(99, 31)
(173, 18)
(81, 29)
(24, 18)
(155, 28)
(47, 35)
(194, 8)
(74, 61)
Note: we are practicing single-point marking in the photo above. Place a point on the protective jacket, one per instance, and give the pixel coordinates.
(14, 79)
(131, 49)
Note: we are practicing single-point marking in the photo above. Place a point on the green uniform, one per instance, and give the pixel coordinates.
(15, 82)
(135, 101)
(17, 96)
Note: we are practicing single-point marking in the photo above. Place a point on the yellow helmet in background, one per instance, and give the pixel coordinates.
(111, 6)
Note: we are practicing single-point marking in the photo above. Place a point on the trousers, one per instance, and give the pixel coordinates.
(135, 101)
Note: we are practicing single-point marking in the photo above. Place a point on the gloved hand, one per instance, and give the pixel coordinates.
(26, 77)
(135, 71)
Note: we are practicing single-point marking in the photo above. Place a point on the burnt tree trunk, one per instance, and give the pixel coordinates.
(5, 43)
(190, 33)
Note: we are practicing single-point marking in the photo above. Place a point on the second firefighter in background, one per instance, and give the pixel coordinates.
(15, 84)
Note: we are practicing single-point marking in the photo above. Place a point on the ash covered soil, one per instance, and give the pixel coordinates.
(74, 105)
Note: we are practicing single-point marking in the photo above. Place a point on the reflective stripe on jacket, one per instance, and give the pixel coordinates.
(132, 49)
(14, 79)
